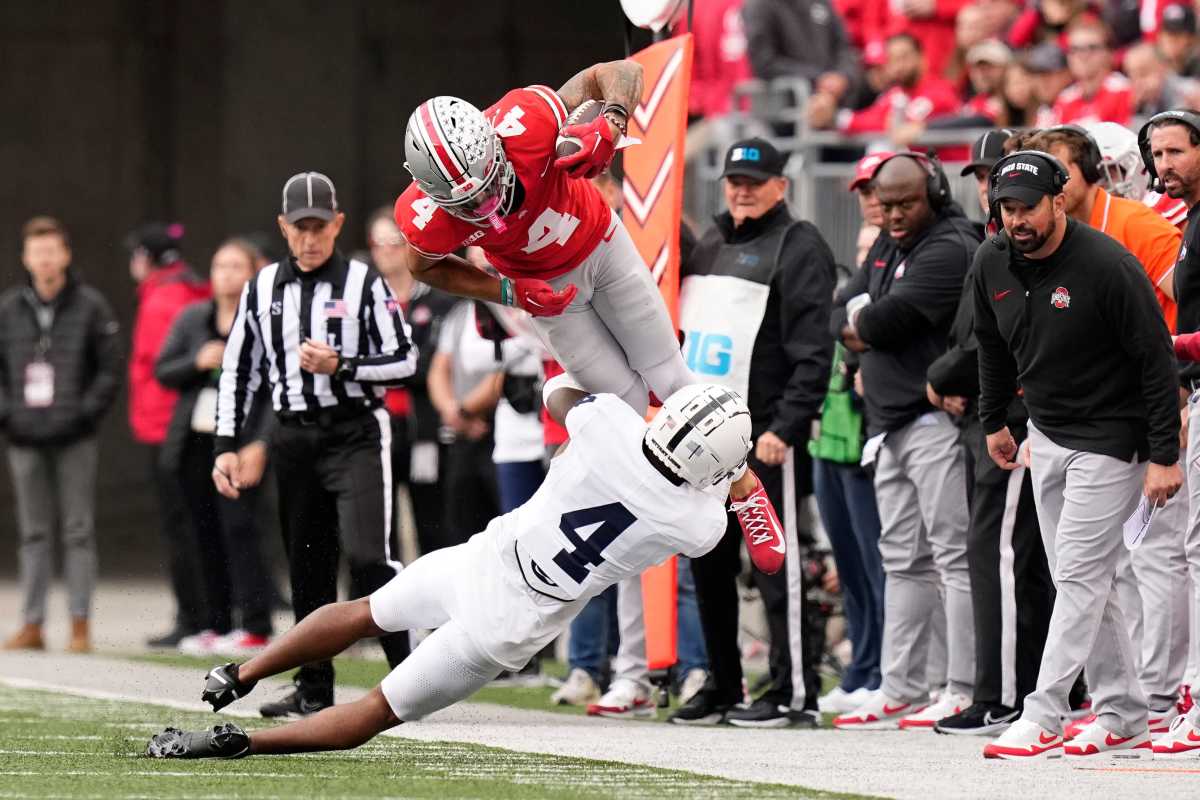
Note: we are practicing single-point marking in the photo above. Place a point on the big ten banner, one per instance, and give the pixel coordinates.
(653, 194)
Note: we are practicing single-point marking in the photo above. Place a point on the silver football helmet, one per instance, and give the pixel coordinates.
(701, 433)
(456, 157)
(1122, 170)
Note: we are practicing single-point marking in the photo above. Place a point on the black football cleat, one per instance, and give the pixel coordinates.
(300, 702)
(222, 687)
(222, 741)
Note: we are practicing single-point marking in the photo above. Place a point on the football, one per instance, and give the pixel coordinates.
(587, 111)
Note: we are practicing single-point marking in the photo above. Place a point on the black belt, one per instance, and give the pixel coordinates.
(325, 417)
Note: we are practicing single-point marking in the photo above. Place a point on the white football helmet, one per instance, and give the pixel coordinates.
(701, 434)
(455, 156)
(1122, 170)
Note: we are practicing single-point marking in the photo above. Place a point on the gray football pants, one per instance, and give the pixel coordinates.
(1191, 543)
(921, 486)
(55, 486)
(1083, 500)
(616, 336)
(1155, 591)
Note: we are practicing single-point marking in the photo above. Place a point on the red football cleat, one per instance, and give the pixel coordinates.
(761, 529)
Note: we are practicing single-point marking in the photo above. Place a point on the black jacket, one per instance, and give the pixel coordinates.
(914, 297)
(1081, 333)
(82, 347)
(175, 368)
(789, 365)
(1187, 290)
(427, 308)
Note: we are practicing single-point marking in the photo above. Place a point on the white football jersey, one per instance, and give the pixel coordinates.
(604, 512)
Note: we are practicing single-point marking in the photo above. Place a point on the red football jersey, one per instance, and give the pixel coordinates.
(560, 220)
(1113, 102)
(1174, 210)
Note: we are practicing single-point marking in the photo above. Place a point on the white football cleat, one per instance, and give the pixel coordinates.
(1095, 745)
(1025, 740)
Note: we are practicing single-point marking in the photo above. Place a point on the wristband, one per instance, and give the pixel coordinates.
(507, 297)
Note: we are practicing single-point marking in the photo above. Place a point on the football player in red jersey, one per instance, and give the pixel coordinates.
(492, 178)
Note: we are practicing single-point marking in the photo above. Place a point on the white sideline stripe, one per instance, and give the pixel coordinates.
(95, 773)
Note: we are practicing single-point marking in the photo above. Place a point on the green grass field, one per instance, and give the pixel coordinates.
(60, 746)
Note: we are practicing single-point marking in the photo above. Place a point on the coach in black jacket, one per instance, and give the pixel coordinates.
(1067, 314)
(897, 312)
(60, 368)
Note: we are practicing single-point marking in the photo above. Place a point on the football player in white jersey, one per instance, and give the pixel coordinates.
(621, 496)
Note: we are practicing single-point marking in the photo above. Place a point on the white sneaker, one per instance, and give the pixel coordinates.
(838, 701)
(239, 643)
(579, 690)
(947, 705)
(1181, 742)
(880, 713)
(624, 698)
(692, 682)
(199, 644)
(1096, 745)
(1025, 740)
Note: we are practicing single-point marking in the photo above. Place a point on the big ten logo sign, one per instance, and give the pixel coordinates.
(708, 353)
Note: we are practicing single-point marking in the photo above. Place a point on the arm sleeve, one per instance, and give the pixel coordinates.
(1146, 340)
(762, 44)
(853, 287)
(926, 295)
(392, 355)
(804, 284)
(99, 395)
(997, 367)
(956, 372)
(1187, 347)
(241, 373)
(175, 366)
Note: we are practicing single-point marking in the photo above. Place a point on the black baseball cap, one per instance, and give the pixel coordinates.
(309, 194)
(1045, 57)
(987, 150)
(754, 158)
(1179, 19)
(1027, 177)
(163, 241)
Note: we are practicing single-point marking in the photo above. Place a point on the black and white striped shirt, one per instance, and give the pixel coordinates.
(345, 304)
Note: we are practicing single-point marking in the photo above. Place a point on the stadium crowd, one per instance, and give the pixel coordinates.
(868, 386)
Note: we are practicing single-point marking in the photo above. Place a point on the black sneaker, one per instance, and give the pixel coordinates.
(299, 702)
(222, 687)
(978, 719)
(170, 639)
(222, 741)
(702, 709)
(765, 713)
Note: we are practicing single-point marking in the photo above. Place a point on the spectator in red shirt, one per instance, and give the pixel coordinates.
(931, 22)
(166, 285)
(1099, 94)
(1045, 21)
(913, 96)
(719, 59)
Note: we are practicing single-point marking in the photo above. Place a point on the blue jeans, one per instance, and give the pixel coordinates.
(691, 651)
(594, 637)
(517, 481)
(846, 500)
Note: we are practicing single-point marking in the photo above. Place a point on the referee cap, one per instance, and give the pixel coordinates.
(309, 194)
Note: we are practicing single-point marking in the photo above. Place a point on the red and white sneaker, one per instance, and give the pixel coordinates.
(1160, 721)
(623, 699)
(1095, 744)
(880, 713)
(1076, 727)
(947, 705)
(1181, 742)
(1025, 740)
(1184, 704)
(199, 644)
(240, 643)
(761, 529)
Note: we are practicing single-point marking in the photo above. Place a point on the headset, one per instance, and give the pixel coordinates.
(1089, 163)
(1059, 177)
(1182, 116)
(937, 185)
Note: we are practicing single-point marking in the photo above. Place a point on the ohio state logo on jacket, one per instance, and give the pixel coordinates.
(1061, 298)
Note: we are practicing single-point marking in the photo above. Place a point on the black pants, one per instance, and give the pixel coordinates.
(237, 586)
(428, 507)
(180, 547)
(1008, 568)
(333, 499)
(716, 575)
(469, 488)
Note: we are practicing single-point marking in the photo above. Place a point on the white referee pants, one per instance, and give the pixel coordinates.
(1083, 500)
(616, 336)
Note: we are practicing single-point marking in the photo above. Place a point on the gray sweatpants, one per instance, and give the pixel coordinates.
(1191, 543)
(921, 487)
(616, 336)
(1083, 500)
(56, 487)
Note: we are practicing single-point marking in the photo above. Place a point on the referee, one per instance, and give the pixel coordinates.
(328, 336)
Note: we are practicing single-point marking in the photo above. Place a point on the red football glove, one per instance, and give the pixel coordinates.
(596, 153)
(761, 529)
(539, 298)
